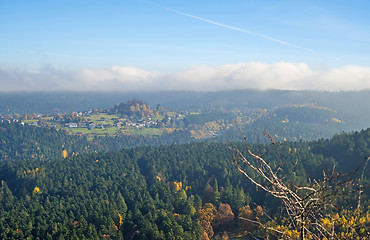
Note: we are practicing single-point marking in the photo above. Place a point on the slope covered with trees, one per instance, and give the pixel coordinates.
(20, 142)
(189, 191)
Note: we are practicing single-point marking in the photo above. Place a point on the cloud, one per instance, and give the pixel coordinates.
(256, 75)
(45, 79)
(245, 75)
(282, 75)
(118, 78)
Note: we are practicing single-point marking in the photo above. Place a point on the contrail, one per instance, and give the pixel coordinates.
(238, 29)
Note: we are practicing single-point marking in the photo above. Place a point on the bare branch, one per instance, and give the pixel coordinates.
(305, 204)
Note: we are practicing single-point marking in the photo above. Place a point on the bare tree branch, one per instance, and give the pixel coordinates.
(305, 205)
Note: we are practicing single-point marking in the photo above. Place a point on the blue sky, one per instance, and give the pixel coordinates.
(153, 41)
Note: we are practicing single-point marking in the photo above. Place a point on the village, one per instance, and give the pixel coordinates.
(134, 118)
(95, 122)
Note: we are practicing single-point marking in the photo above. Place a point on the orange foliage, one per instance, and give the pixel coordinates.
(75, 224)
(168, 130)
(258, 212)
(224, 216)
(245, 214)
(178, 186)
(64, 153)
(206, 215)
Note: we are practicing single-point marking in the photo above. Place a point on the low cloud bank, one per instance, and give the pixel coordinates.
(283, 75)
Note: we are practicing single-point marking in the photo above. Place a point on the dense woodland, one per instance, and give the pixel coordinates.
(56, 186)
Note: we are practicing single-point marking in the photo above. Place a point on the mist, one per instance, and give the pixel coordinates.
(256, 75)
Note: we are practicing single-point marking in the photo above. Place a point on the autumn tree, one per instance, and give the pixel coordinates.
(206, 216)
(305, 205)
(224, 217)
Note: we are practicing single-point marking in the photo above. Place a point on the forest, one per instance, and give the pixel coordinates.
(58, 186)
(185, 120)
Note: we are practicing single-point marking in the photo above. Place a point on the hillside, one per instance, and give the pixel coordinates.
(352, 104)
(152, 192)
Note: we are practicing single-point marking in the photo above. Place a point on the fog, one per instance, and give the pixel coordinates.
(256, 75)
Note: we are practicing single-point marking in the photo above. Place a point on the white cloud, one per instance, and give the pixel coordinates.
(282, 75)
(117, 78)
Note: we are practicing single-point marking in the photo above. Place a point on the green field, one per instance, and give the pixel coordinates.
(144, 131)
(96, 118)
(108, 128)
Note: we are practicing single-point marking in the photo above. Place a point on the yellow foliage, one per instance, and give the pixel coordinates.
(36, 190)
(292, 234)
(178, 186)
(348, 223)
(120, 218)
(207, 213)
(327, 223)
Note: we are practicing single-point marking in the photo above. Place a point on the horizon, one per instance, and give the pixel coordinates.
(185, 91)
(192, 46)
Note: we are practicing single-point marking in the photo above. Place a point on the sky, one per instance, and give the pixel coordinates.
(137, 45)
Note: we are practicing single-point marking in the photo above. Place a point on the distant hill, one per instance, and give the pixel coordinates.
(133, 107)
(351, 108)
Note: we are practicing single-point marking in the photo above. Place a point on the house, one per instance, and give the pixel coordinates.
(72, 125)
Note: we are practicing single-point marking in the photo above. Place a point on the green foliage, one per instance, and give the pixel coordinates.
(27, 142)
(132, 193)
